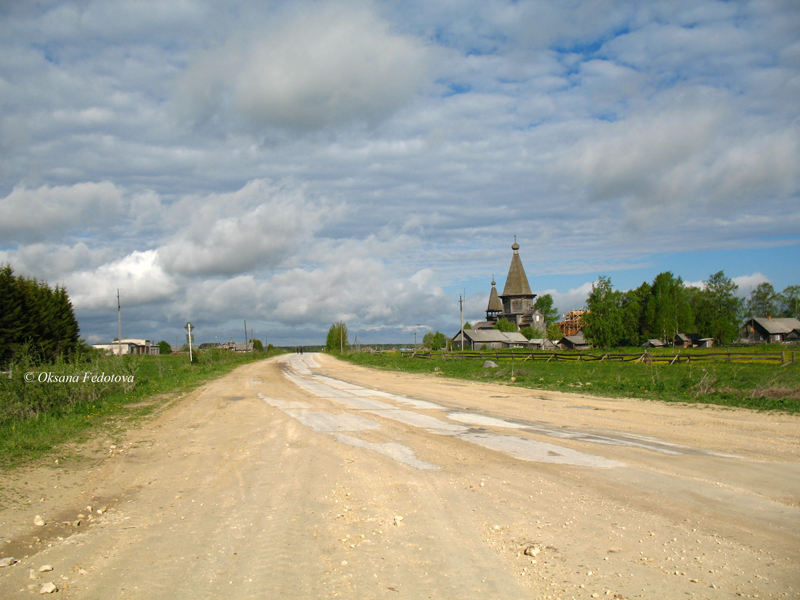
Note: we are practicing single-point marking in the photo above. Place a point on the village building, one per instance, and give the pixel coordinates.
(486, 339)
(653, 343)
(691, 340)
(129, 347)
(767, 329)
(574, 342)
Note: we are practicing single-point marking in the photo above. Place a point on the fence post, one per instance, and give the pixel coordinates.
(729, 354)
(783, 357)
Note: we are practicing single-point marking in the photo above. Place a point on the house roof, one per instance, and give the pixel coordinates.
(517, 281)
(783, 325)
(486, 336)
(688, 337)
(541, 342)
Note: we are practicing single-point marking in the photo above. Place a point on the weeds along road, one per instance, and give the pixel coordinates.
(307, 477)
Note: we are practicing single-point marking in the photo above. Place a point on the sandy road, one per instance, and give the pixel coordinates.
(306, 477)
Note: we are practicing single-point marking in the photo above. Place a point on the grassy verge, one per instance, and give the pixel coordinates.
(756, 386)
(62, 404)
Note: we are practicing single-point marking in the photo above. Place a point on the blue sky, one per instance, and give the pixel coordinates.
(295, 163)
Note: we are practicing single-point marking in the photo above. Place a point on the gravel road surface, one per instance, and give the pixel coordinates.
(304, 476)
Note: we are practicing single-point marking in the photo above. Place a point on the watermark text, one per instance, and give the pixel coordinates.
(85, 377)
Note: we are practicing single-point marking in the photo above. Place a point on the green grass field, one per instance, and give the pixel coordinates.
(745, 383)
(36, 416)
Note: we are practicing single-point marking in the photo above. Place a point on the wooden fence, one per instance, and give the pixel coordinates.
(783, 357)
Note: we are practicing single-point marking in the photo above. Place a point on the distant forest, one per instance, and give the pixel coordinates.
(667, 306)
(35, 319)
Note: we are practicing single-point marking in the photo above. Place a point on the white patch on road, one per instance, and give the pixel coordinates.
(427, 422)
(284, 404)
(483, 421)
(311, 361)
(333, 424)
(412, 402)
(357, 397)
(326, 422)
(398, 452)
(538, 451)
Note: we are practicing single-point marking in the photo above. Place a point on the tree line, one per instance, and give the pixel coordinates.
(661, 309)
(35, 318)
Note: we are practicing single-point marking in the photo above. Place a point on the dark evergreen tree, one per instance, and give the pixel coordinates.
(35, 317)
(11, 314)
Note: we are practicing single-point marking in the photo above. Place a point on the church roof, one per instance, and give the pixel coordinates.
(494, 301)
(517, 281)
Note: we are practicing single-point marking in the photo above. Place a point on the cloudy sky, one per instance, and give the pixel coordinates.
(294, 163)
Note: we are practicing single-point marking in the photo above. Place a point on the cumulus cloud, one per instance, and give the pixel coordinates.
(255, 227)
(574, 299)
(138, 275)
(328, 65)
(53, 262)
(361, 289)
(747, 283)
(28, 215)
(688, 158)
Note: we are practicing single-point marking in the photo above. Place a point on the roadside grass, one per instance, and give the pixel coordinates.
(759, 386)
(37, 416)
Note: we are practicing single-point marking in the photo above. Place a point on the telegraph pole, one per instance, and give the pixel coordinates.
(119, 325)
(188, 327)
(461, 311)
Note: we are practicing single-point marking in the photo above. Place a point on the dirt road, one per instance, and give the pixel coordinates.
(307, 477)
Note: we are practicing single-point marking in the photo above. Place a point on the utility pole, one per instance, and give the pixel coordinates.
(119, 326)
(245, 335)
(189, 328)
(461, 310)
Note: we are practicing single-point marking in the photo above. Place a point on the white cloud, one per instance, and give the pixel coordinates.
(48, 212)
(359, 289)
(748, 283)
(53, 262)
(138, 276)
(255, 227)
(574, 299)
(328, 65)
